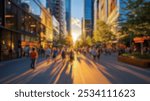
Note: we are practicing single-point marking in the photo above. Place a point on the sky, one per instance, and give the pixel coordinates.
(77, 14)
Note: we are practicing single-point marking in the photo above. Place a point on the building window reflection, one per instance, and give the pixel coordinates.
(32, 7)
(23, 23)
(8, 45)
(1, 12)
(10, 15)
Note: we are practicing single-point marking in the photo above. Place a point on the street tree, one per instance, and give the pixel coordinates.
(88, 41)
(69, 40)
(79, 43)
(103, 32)
(135, 17)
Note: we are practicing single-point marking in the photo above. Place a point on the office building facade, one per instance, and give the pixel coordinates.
(88, 17)
(68, 15)
(108, 11)
(57, 9)
(23, 23)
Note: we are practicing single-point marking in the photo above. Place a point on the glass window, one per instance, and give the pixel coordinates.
(10, 15)
(31, 6)
(14, 44)
(9, 45)
(43, 2)
(1, 12)
(88, 9)
(5, 45)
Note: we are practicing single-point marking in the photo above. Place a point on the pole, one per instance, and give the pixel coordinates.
(142, 48)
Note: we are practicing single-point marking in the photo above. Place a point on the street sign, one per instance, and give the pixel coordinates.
(138, 40)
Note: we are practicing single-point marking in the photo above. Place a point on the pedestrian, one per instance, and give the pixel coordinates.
(71, 55)
(33, 56)
(26, 50)
(42, 52)
(94, 53)
(63, 54)
(98, 53)
(55, 53)
(48, 53)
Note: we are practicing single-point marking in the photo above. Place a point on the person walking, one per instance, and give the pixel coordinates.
(55, 53)
(98, 53)
(26, 50)
(48, 54)
(94, 53)
(42, 51)
(33, 56)
(71, 57)
(63, 54)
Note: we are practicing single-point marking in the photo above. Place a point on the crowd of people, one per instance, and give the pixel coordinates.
(49, 54)
(130, 50)
(95, 52)
(69, 53)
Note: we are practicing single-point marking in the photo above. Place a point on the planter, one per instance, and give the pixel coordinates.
(135, 61)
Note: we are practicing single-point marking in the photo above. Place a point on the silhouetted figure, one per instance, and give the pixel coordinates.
(63, 54)
(71, 57)
(98, 53)
(55, 53)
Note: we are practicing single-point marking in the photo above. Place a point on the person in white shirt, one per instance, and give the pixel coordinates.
(48, 54)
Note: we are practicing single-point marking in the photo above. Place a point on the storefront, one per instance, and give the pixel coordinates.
(21, 23)
(12, 43)
(9, 44)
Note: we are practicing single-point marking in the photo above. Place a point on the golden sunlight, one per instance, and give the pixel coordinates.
(75, 36)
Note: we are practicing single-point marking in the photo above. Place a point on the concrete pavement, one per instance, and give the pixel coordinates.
(107, 70)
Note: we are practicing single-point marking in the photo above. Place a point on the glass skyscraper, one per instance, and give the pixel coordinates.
(88, 17)
(57, 9)
(88, 9)
(68, 15)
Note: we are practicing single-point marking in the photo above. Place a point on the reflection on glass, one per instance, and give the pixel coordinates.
(10, 15)
(1, 12)
(32, 7)
(43, 2)
(6, 44)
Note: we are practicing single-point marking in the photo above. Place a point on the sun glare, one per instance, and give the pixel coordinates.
(75, 37)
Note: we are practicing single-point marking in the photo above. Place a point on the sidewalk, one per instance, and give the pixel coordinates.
(14, 67)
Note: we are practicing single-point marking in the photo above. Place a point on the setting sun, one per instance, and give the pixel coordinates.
(75, 36)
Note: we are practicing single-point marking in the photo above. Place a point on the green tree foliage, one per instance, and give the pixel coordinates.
(88, 41)
(137, 17)
(79, 43)
(69, 40)
(103, 32)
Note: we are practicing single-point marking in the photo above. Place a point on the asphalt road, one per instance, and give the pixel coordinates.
(106, 70)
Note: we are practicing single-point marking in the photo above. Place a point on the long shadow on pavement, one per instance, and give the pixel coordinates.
(65, 76)
(11, 70)
(123, 74)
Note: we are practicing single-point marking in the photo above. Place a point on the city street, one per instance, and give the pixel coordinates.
(107, 70)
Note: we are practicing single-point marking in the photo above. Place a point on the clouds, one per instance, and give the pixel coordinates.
(76, 22)
(76, 28)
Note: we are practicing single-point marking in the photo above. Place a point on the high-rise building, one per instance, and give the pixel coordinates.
(88, 17)
(108, 11)
(55, 30)
(96, 13)
(23, 23)
(68, 15)
(57, 9)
